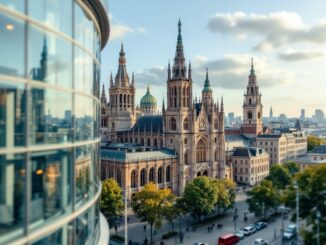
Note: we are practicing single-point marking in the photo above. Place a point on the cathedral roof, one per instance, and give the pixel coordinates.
(248, 152)
(122, 78)
(148, 100)
(207, 85)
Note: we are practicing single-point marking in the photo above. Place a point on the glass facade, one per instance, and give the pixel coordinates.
(49, 120)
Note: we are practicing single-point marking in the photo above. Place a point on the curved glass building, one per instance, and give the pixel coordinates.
(49, 120)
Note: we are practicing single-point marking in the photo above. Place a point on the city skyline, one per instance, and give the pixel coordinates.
(286, 43)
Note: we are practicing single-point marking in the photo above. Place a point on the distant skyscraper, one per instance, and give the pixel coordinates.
(49, 121)
(319, 116)
(271, 112)
(303, 114)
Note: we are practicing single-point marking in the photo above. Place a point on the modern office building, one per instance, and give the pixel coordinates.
(49, 121)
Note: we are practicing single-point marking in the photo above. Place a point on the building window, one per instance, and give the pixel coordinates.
(148, 141)
(143, 177)
(152, 175)
(160, 175)
(258, 115)
(185, 141)
(186, 158)
(168, 174)
(215, 155)
(215, 124)
(249, 115)
(119, 176)
(173, 124)
(201, 151)
(133, 179)
(186, 124)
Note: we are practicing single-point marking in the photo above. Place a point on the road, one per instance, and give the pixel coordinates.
(271, 233)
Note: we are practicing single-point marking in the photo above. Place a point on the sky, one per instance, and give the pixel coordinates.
(286, 38)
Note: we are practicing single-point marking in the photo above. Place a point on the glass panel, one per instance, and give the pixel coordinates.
(54, 13)
(96, 118)
(85, 224)
(96, 80)
(84, 174)
(12, 114)
(17, 5)
(56, 238)
(51, 185)
(84, 118)
(84, 71)
(51, 117)
(12, 56)
(84, 30)
(49, 58)
(12, 182)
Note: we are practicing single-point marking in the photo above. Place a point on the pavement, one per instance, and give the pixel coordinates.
(271, 233)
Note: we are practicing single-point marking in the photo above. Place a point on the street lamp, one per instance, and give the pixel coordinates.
(126, 214)
(235, 216)
(296, 187)
(318, 228)
(282, 207)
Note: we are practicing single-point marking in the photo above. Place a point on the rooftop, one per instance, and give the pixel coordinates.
(319, 149)
(248, 152)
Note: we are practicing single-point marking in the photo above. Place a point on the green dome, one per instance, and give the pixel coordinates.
(148, 100)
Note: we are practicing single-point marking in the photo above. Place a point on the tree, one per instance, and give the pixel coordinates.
(262, 198)
(312, 195)
(314, 141)
(111, 199)
(226, 192)
(150, 203)
(199, 197)
(279, 176)
(171, 213)
(292, 167)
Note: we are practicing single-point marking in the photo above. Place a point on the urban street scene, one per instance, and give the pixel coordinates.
(162, 122)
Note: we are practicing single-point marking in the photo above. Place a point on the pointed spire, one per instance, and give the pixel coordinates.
(252, 70)
(163, 105)
(103, 95)
(189, 71)
(179, 32)
(122, 78)
(207, 86)
(222, 105)
(148, 92)
(111, 80)
(133, 80)
(179, 68)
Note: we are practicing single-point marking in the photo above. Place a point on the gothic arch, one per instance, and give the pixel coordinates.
(143, 177)
(152, 175)
(186, 124)
(249, 115)
(133, 177)
(186, 157)
(201, 151)
(168, 174)
(173, 124)
(160, 175)
(118, 176)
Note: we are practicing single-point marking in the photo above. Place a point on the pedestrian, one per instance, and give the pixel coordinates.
(144, 228)
(162, 243)
(145, 241)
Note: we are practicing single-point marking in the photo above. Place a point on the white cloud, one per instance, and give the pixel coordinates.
(301, 55)
(119, 30)
(275, 29)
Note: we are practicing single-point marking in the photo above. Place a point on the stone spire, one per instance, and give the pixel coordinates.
(252, 75)
(222, 105)
(111, 81)
(103, 95)
(169, 72)
(179, 68)
(133, 80)
(189, 72)
(122, 78)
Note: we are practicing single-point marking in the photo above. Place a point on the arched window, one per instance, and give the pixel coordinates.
(119, 176)
(215, 156)
(173, 124)
(186, 124)
(143, 177)
(103, 110)
(142, 141)
(148, 141)
(258, 115)
(249, 115)
(215, 124)
(155, 142)
(249, 101)
(205, 173)
(198, 174)
(133, 179)
(186, 160)
(168, 174)
(152, 175)
(159, 175)
(201, 151)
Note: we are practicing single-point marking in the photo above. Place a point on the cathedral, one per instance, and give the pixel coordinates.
(192, 129)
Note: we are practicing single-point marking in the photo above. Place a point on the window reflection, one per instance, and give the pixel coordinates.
(51, 116)
(12, 56)
(12, 114)
(51, 184)
(84, 71)
(56, 238)
(55, 13)
(85, 227)
(84, 118)
(51, 61)
(12, 182)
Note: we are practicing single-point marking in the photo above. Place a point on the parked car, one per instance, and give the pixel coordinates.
(260, 225)
(290, 232)
(240, 234)
(260, 241)
(200, 243)
(248, 230)
(228, 239)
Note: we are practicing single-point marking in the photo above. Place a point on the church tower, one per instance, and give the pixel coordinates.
(122, 115)
(252, 108)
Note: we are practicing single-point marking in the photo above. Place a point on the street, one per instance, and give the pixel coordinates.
(272, 233)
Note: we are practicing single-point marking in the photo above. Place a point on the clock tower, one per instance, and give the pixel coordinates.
(252, 107)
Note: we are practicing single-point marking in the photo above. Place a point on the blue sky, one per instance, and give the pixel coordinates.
(287, 40)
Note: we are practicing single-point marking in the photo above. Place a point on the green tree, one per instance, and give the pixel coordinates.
(279, 176)
(312, 195)
(111, 199)
(226, 192)
(199, 198)
(171, 213)
(150, 204)
(292, 167)
(262, 198)
(314, 141)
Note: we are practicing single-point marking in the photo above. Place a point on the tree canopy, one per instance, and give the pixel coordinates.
(150, 204)
(199, 198)
(262, 198)
(111, 199)
(279, 176)
(312, 195)
(314, 141)
(292, 167)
